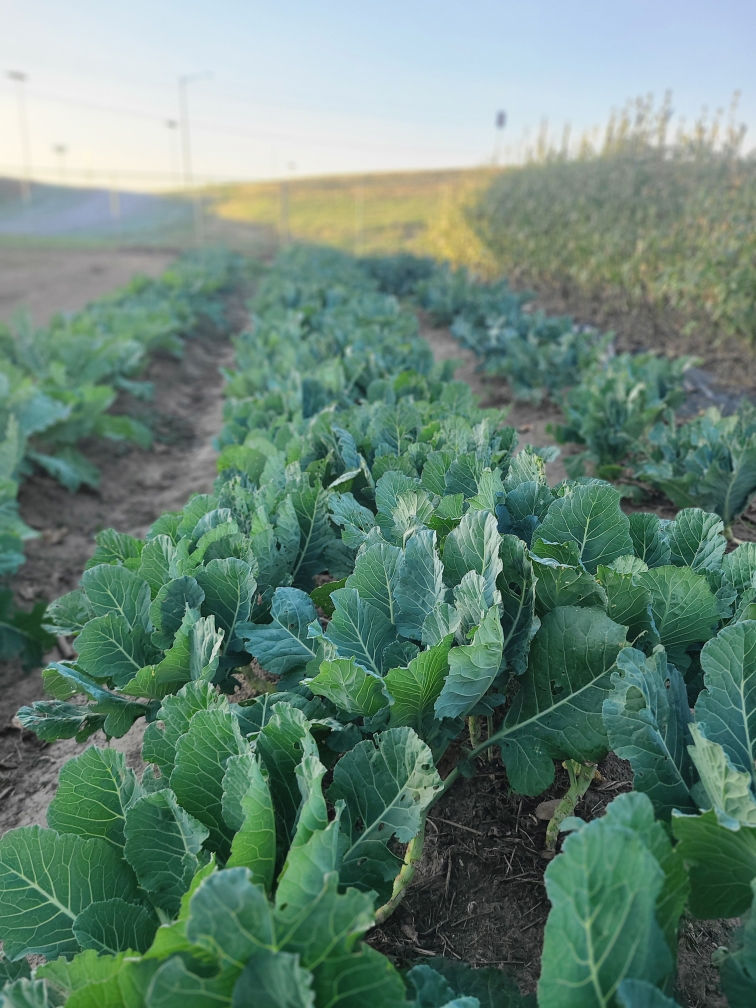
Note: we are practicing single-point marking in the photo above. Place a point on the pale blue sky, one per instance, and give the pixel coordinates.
(332, 86)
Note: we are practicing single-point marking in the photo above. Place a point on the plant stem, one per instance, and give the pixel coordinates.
(473, 727)
(489, 733)
(581, 775)
(411, 856)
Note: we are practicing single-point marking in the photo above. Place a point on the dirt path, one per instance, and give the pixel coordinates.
(136, 487)
(49, 280)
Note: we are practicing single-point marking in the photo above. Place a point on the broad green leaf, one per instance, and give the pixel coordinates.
(444, 620)
(248, 809)
(175, 713)
(416, 688)
(310, 505)
(283, 647)
(312, 917)
(556, 713)
(696, 541)
(560, 584)
(117, 591)
(68, 614)
(649, 542)
(25, 993)
(419, 585)
(350, 687)
(739, 566)
(492, 987)
(590, 516)
(642, 994)
(114, 926)
(629, 604)
(355, 519)
(474, 546)
(274, 980)
(175, 986)
(728, 790)
(109, 648)
(472, 669)
(158, 562)
(387, 784)
(489, 491)
(434, 472)
(94, 791)
(162, 846)
(46, 880)
(171, 602)
(229, 586)
(375, 576)
(360, 978)
(230, 917)
(516, 585)
(727, 704)
(635, 811)
(212, 738)
(602, 927)
(282, 742)
(470, 603)
(359, 630)
(463, 475)
(683, 607)
(85, 976)
(738, 971)
(647, 724)
(447, 515)
(721, 863)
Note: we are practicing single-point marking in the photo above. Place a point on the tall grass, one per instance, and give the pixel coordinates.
(666, 221)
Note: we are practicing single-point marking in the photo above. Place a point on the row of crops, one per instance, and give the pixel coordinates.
(57, 385)
(467, 599)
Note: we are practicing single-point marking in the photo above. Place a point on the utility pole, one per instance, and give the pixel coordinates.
(186, 148)
(501, 122)
(19, 79)
(61, 150)
(172, 125)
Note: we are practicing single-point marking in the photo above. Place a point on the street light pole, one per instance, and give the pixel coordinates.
(501, 122)
(61, 150)
(19, 79)
(186, 147)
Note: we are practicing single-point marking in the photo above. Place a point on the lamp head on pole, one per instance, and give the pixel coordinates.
(501, 119)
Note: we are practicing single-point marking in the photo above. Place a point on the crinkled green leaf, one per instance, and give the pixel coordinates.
(350, 687)
(472, 669)
(114, 926)
(248, 809)
(649, 541)
(590, 516)
(695, 540)
(419, 585)
(359, 630)
(283, 647)
(474, 546)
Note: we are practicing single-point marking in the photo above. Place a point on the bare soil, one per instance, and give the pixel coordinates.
(50, 280)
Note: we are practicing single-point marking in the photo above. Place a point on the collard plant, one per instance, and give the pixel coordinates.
(709, 462)
(227, 875)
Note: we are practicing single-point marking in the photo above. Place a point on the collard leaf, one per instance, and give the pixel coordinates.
(416, 688)
(387, 785)
(683, 607)
(311, 508)
(419, 585)
(248, 809)
(590, 516)
(212, 738)
(516, 585)
(376, 571)
(171, 602)
(359, 630)
(721, 863)
(602, 927)
(175, 713)
(738, 971)
(557, 712)
(649, 541)
(646, 717)
(350, 687)
(696, 541)
(157, 565)
(492, 987)
(117, 591)
(474, 546)
(46, 880)
(738, 567)
(727, 705)
(114, 926)
(162, 846)
(94, 791)
(229, 586)
(472, 669)
(282, 742)
(629, 604)
(642, 994)
(353, 978)
(275, 980)
(230, 917)
(283, 647)
(560, 584)
(109, 648)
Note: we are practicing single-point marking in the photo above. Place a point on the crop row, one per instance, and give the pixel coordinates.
(464, 592)
(58, 383)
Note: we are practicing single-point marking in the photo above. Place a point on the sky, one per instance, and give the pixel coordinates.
(303, 88)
